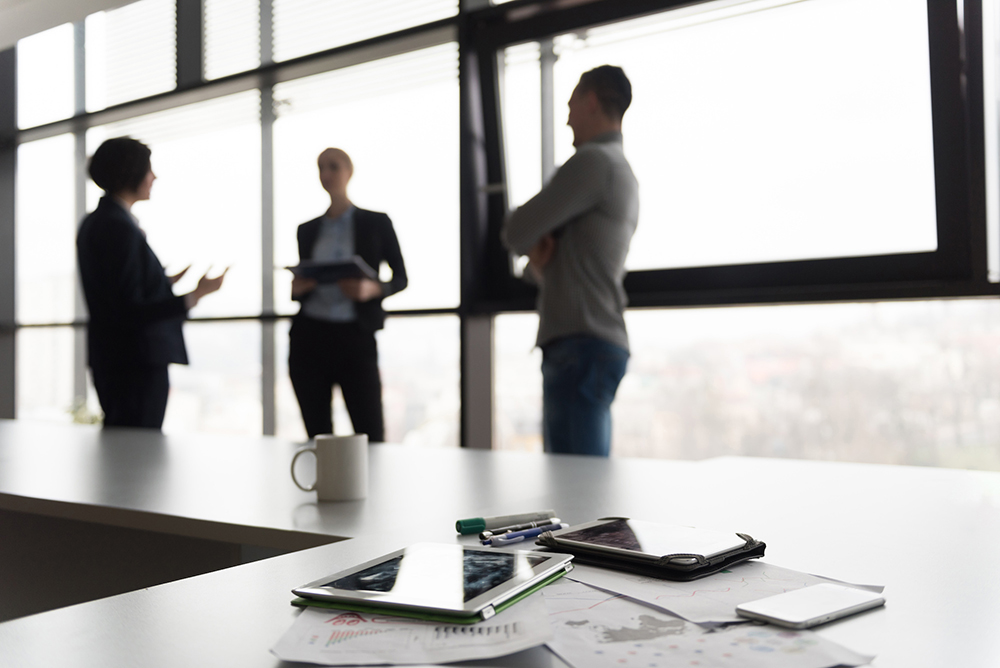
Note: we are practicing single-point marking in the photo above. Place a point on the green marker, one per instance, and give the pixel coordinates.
(478, 524)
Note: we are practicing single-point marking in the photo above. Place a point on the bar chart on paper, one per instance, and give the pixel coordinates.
(353, 636)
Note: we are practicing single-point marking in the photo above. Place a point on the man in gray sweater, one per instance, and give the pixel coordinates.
(576, 234)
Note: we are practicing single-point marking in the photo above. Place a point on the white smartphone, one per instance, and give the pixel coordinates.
(810, 606)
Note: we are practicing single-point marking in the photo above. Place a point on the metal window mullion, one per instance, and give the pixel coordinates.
(8, 165)
(478, 357)
(268, 376)
(467, 6)
(267, 352)
(972, 58)
(190, 43)
(266, 32)
(80, 206)
(994, 55)
(546, 64)
(480, 166)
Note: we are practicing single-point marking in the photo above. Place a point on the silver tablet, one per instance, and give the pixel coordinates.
(440, 579)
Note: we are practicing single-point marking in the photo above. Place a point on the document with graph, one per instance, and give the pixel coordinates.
(710, 600)
(337, 638)
(596, 629)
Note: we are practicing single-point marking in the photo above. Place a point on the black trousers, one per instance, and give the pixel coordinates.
(323, 354)
(132, 396)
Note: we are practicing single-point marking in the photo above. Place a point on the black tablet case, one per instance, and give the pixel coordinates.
(665, 568)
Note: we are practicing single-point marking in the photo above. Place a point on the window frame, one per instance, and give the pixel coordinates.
(959, 267)
(956, 268)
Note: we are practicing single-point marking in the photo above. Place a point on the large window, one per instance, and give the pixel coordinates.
(45, 85)
(758, 133)
(418, 358)
(895, 383)
(46, 231)
(220, 391)
(797, 147)
(420, 380)
(522, 103)
(207, 206)
(812, 147)
(45, 389)
(518, 383)
(788, 152)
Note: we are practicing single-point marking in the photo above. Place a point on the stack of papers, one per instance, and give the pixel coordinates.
(590, 618)
(340, 638)
(711, 600)
(596, 629)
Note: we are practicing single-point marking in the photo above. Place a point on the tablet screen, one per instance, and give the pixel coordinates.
(481, 571)
(654, 539)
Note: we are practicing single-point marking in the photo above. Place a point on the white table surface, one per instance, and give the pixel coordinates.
(931, 536)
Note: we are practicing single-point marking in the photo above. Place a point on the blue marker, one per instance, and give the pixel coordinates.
(518, 536)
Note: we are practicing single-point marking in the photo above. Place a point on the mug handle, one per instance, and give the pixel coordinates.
(302, 451)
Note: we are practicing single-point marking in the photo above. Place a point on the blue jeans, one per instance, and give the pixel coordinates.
(580, 375)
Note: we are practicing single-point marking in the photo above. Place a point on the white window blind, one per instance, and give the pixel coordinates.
(232, 37)
(308, 26)
(131, 53)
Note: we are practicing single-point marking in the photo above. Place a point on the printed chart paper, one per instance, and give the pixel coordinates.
(709, 600)
(596, 629)
(337, 638)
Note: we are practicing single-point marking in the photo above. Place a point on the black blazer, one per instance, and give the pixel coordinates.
(135, 318)
(375, 241)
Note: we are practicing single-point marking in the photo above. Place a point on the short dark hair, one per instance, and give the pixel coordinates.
(120, 165)
(612, 88)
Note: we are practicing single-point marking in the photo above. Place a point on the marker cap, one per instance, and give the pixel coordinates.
(477, 524)
(471, 525)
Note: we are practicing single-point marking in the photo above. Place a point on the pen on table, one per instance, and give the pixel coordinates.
(486, 535)
(478, 524)
(518, 536)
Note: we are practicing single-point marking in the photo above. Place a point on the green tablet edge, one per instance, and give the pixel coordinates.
(426, 616)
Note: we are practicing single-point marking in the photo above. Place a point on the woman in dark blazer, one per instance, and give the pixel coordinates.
(134, 330)
(332, 340)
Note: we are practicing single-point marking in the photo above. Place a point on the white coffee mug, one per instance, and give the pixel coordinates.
(341, 467)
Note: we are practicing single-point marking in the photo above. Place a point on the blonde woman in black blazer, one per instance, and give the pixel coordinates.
(332, 340)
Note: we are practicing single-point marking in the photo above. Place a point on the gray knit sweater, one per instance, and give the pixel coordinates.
(591, 205)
